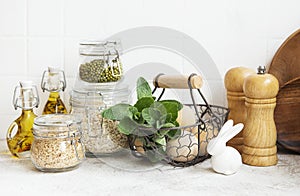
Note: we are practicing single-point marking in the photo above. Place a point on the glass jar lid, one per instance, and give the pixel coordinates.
(56, 125)
(99, 94)
(99, 48)
(86, 98)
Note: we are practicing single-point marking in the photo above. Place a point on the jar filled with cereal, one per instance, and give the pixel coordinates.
(100, 136)
(57, 144)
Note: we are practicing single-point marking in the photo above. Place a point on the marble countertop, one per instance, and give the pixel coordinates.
(125, 175)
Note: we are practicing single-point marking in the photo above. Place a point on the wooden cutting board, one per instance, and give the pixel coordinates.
(285, 66)
(287, 116)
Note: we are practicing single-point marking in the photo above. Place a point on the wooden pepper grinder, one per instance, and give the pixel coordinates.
(234, 80)
(259, 133)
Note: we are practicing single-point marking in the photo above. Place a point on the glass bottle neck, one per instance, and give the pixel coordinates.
(53, 84)
(28, 99)
(54, 94)
(27, 112)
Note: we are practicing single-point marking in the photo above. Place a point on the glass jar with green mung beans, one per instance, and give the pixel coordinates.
(100, 62)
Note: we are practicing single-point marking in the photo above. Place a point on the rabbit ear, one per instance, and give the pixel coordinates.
(229, 134)
(228, 125)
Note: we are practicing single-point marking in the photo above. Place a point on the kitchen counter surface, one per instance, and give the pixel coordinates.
(124, 175)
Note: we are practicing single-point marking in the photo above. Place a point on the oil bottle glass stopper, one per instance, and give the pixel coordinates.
(53, 80)
(26, 95)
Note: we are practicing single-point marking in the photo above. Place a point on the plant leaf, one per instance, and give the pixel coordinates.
(161, 140)
(128, 126)
(168, 125)
(118, 112)
(174, 133)
(157, 154)
(144, 102)
(172, 108)
(143, 88)
(179, 105)
(158, 105)
(151, 116)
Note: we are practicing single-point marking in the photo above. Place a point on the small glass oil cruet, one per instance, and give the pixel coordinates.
(54, 81)
(25, 97)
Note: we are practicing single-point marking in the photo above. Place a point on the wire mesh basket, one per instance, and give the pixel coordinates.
(189, 147)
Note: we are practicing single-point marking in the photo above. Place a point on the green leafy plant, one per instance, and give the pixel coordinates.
(147, 119)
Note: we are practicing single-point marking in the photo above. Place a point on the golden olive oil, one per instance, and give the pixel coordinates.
(19, 136)
(54, 105)
(23, 138)
(54, 81)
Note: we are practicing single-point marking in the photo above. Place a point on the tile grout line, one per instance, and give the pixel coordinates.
(26, 39)
(63, 33)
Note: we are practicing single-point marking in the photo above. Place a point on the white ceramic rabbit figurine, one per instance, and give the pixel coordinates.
(225, 159)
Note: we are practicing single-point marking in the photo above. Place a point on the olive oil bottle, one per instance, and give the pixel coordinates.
(19, 135)
(54, 81)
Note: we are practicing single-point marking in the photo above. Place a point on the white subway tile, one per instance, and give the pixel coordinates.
(44, 52)
(7, 85)
(13, 56)
(86, 19)
(204, 19)
(282, 18)
(12, 17)
(105, 18)
(218, 92)
(125, 15)
(43, 96)
(247, 18)
(6, 121)
(152, 55)
(168, 13)
(45, 18)
(205, 23)
(66, 94)
(245, 51)
(273, 46)
(71, 56)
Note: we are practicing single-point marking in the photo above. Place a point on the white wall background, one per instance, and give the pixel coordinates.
(37, 33)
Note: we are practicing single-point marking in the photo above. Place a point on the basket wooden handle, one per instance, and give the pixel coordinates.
(177, 81)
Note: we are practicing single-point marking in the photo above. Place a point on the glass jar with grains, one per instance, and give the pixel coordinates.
(99, 62)
(57, 143)
(100, 136)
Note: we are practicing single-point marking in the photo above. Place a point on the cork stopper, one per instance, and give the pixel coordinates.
(234, 78)
(261, 85)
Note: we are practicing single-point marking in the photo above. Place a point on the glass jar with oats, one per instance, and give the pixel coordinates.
(101, 137)
(57, 144)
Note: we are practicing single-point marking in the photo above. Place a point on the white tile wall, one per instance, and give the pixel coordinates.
(13, 56)
(13, 17)
(44, 52)
(35, 34)
(45, 18)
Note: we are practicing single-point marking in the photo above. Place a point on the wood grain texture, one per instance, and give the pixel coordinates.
(287, 116)
(259, 133)
(285, 66)
(178, 81)
(234, 80)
